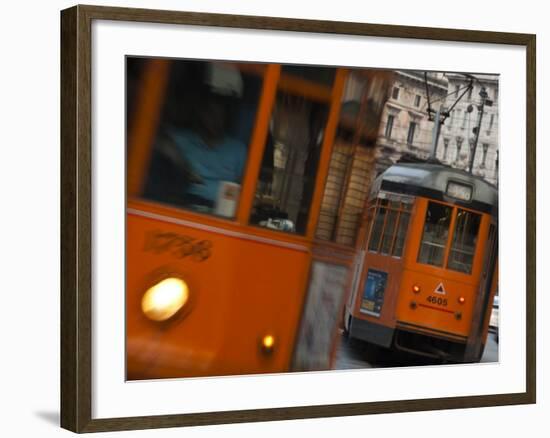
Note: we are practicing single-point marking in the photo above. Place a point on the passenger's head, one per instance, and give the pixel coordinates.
(222, 84)
(211, 117)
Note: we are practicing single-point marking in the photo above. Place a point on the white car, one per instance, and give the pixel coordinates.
(493, 321)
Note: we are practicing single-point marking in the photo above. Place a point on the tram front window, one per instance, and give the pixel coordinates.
(289, 165)
(436, 232)
(463, 246)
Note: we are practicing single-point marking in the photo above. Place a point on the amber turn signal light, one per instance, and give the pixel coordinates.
(267, 344)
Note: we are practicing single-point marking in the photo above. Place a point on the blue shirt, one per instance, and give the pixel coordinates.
(223, 161)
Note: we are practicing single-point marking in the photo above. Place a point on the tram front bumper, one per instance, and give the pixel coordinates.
(371, 332)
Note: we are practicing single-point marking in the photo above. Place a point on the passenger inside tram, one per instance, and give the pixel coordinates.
(201, 147)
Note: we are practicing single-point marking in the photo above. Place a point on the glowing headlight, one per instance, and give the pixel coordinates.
(164, 299)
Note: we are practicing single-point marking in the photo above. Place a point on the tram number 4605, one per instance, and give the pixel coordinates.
(437, 300)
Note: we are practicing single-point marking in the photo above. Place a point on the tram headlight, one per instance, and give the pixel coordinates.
(416, 288)
(164, 299)
(461, 300)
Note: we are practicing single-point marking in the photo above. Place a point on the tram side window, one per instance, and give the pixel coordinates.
(201, 148)
(378, 226)
(436, 232)
(464, 241)
(352, 166)
(402, 227)
(289, 165)
(390, 227)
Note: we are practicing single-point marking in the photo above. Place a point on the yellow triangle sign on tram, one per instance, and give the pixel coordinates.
(440, 289)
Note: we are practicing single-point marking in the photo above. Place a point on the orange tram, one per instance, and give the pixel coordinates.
(427, 272)
(253, 272)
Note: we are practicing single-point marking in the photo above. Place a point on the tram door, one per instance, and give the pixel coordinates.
(379, 289)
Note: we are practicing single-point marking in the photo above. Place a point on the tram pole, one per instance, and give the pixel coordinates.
(435, 133)
(477, 129)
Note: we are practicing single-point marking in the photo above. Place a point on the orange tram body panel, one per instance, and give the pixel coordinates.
(225, 269)
(426, 273)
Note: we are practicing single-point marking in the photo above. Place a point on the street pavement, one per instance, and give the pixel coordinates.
(353, 354)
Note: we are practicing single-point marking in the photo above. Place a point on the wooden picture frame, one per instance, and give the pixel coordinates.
(76, 217)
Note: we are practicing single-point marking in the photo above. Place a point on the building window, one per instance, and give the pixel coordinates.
(458, 147)
(417, 100)
(491, 121)
(470, 90)
(389, 126)
(445, 148)
(457, 89)
(395, 93)
(410, 134)
(455, 115)
(484, 158)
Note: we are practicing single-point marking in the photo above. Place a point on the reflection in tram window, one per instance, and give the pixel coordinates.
(200, 150)
(352, 166)
(463, 246)
(436, 231)
(289, 165)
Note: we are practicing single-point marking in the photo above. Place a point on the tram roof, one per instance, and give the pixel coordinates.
(432, 181)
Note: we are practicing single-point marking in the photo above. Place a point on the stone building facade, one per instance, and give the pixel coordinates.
(457, 136)
(405, 128)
